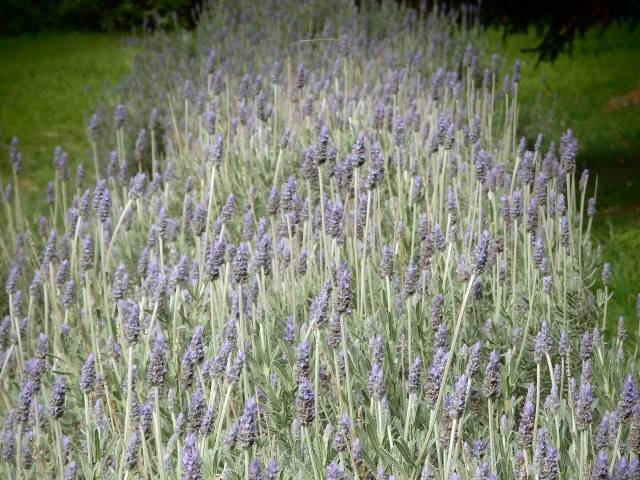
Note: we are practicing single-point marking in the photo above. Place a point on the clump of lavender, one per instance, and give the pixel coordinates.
(293, 248)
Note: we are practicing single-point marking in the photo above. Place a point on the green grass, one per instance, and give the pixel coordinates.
(591, 91)
(49, 85)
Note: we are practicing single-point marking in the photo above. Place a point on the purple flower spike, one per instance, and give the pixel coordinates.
(88, 376)
(190, 460)
(628, 398)
(480, 252)
(305, 402)
(376, 381)
(56, 403)
(568, 151)
(584, 407)
(248, 426)
(335, 472)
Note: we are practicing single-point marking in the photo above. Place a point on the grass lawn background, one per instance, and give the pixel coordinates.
(50, 84)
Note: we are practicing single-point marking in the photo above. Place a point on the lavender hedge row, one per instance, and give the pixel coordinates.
(314, 247)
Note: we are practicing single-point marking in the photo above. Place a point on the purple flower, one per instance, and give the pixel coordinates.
(459, 397)
(568, 150)
(255, 469)
(235, 370)
(585, 346)
(591, 207)
(525, 429)
(302, 360)
(543, 342)
(8, 445)
(132, 323)
(56, 403)
(628, 398)
(120, 116)
(483, 472)
(434, 377)
(88, 376)
(601, 467)
(86, 256)
(386, 261)
(437, 311)
(70, 471)
(318, 310)
(197, 409)
(63, 273)
(376, 169)
(376, 381)
(633, 439)
(196, 345)
(214, 259)
(335, 471)
(398, 131)
(411, 279)
(140, 145)
(120, 283)
(606, 274)
(27, 391)
(621, 470)
(131, 454)
(157, 368)
(491, 385)
(584, 407)
(305, 402)
(190, 459)
(480, 252)
(341, 436)
(137, 186)
(343, 289)
(248, 425)
(241, 264)
(602, 438)
(415, 371)
(473, 364)
(12, 280)
(272, 469)
(416, 193)
(289, 334)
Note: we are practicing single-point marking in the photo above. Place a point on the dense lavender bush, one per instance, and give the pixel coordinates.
(315, 248)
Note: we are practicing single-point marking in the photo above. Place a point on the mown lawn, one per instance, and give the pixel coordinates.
(49, 84)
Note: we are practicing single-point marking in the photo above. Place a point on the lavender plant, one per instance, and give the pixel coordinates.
(318, 250)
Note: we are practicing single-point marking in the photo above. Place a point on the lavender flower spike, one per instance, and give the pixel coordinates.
(305, 402)
(88, 376)
(584, 407)
(335, 472)
(190, 459)
(248, 427)
(481, 252)
(56, 403)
